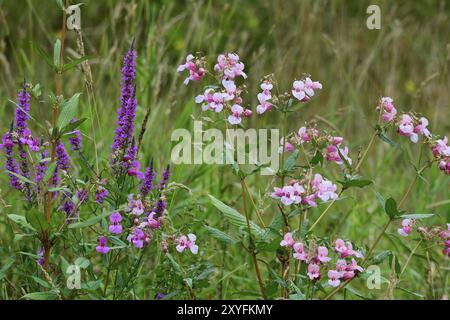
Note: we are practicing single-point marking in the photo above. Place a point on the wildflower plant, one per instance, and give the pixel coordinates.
(309, 264)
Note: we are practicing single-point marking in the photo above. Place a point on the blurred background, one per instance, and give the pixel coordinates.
(407, 59)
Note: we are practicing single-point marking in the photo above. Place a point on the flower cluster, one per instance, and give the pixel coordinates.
(445, 236)
(195, 68)
(303, 90)
(264, 97)
(317, 257)
(441, 152)
(407, 227)
(306, 192)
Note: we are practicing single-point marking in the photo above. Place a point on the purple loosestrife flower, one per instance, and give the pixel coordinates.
(11, 162)
(62, 158)
(160, 207)
(39, 170)
(127, 111)
(102, 245)
(165, 178)
(22, 111)
(147, 183)
(101, 193)
(75, 140)
(40, 253)
(68, 207)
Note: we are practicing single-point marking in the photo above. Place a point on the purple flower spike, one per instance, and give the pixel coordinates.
(165, 178)
(75, 140)
(123, 139)
(11, 162)
(22, 111)
(147, 183)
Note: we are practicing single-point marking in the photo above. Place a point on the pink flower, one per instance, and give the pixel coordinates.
(138, 238)
(406, 228)
(313, 271)
(441, 148)
(354, 266)
(322, 254)
(263, 105)
(184, 243)
(289, 147)
(230, 66)
(236, 113)
(102, 245)
(346, 249)
(300, 253)
(304, 90)
(389, 111)
(334, 277)
(230, 89)
(289, 194)
(304, 136)
(324, 189)
(115, 227)
(135, 206)
(196, 73)
(406, 128)
(421, 128)
(287, 241)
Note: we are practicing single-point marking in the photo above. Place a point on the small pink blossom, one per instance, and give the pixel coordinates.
(196, 72)
(322, 254)
(406, 228)
(334, 278)
(184, 243)
(421, 128)
(389, 111)
(313, 271)
(102, 245)
(304, 90)
(300, 253)
(406, 128)
(135, 206)
(287, 241)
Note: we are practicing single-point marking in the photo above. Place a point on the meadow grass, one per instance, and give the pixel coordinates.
(408, 59)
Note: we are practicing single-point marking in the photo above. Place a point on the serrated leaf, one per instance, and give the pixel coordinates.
(220, 235)
(235, 218)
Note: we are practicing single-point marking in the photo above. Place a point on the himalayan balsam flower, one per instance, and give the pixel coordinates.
(135, 206)
(287, 241)
(115, 227)
(138, 238)
(346, 249)
(184, 243)
(322, 254)
(304, 90)
(389, 111)
(300, 252)
(102, 245)
(334, 151)
(229, 66)
(264, 97)
(334, 277)
(193, 65)
(406, 128)
(313, 271)
(406, 228)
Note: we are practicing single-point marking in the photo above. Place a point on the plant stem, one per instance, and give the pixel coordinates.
(252, 244)
(366, 151)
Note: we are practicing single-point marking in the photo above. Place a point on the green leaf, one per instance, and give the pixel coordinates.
(390, 208)
(318, 158)
(235, 218)
(45, 56)
(49, 173)
(56, 53)
(417, 216)
(220, 235)
(82, 262)
(290, 161)
(47, 295)
(21, 178)
(91, 221)
(75, 62)
(37, 219)
(60, 4)
(9, 262)
(380, 257)
(72, 126)
(359, 183)
(175, 265)
(21, 221)
(68, 111)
